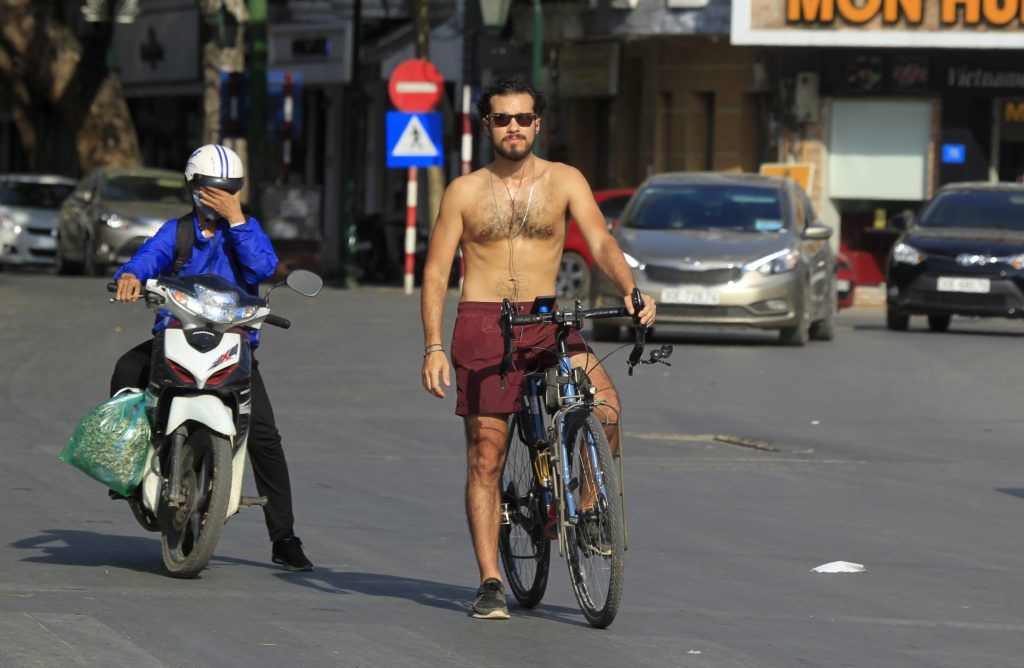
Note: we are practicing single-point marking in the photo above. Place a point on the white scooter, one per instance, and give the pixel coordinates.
(198, 404)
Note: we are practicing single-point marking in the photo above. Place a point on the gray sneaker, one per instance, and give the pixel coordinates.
(490, 601)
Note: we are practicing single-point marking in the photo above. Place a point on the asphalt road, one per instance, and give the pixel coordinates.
(899, 451)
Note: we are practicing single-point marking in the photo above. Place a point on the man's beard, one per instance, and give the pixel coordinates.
(516, 153)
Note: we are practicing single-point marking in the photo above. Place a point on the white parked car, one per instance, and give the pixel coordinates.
(29, 207)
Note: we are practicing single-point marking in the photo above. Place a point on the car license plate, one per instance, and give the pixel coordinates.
(698, 296)
(842, 285)
(959, 284)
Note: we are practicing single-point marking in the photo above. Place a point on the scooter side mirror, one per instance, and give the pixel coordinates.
(305, 282)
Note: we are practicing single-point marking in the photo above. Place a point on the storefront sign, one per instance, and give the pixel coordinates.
(160, 47)
(319, 52)
(881, 23)
(800, 172)
(1013, 112)
(973, 77)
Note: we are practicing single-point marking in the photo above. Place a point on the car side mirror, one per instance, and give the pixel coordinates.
(817, 232)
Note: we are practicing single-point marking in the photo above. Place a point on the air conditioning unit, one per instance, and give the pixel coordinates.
(805, 97)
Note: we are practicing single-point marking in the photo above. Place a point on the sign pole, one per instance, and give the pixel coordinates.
(467, 161)
(411, 199)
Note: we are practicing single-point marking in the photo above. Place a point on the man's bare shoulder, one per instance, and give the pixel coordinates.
(469, 182)
(565, 175)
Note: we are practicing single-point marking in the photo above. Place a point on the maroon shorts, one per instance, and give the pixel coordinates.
(477, 349)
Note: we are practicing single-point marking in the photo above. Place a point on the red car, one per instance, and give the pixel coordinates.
(574, 272)
(845, 285)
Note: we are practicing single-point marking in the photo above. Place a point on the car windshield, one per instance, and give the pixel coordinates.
(977, 209)
(33, 195)
(706, 207)
(124, 188)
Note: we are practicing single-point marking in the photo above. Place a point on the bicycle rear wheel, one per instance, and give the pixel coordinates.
(594, 544)
(523, 545)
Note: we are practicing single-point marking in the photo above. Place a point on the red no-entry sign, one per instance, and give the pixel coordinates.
(415, 86)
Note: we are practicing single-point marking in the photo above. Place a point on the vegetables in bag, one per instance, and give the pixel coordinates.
(111, 442)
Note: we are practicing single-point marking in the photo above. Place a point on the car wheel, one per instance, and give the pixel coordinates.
(800, 333)
(939, 323)
(896, 321)
(605, 332)
(65, 266)
(573, 281)
(825, 329)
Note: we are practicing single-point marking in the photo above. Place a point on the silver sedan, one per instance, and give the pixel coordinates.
(29, 205)
(727, 249)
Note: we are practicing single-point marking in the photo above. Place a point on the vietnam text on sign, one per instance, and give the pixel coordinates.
(414, 140)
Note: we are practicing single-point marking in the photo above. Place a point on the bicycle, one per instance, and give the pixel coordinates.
(558, 483)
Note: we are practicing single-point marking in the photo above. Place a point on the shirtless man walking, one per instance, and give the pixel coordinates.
(509, 219)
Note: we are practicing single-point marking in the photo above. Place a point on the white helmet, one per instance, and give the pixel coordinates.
(216, 166)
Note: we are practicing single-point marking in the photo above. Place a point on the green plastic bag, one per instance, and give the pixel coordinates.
(111, 443)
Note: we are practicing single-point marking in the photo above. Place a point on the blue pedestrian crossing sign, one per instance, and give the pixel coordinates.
(414, 140)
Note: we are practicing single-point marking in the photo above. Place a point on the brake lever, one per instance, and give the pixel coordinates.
(641, 331)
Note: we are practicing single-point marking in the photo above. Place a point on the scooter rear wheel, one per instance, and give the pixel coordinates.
(191, 531)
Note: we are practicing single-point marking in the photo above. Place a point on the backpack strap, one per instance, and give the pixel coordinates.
(183, 242)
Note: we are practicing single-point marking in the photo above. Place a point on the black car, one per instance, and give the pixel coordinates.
(963, 255)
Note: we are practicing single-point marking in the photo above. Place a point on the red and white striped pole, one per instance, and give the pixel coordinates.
(467, 160)
(286, 148)
(411, 198)
(467, 133)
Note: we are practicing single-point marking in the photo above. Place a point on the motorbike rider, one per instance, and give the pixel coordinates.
(233, 246)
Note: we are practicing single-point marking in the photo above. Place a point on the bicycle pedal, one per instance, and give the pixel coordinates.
(506, 516)
(247, 501)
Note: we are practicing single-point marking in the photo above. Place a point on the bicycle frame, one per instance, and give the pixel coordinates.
(548, 444)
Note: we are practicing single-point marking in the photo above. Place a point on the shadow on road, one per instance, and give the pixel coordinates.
(1019, 493)
(86, 548)
(424, 592)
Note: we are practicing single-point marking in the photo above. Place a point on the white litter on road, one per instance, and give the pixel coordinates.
(839, 567)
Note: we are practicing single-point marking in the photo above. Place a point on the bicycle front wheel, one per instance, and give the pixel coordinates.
(522, 541)
(594, 542)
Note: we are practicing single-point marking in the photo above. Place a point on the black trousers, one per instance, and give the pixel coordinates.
(265, 452)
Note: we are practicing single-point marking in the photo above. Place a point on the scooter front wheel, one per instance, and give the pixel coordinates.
(191, 530)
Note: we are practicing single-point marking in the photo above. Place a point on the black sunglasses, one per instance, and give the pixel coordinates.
(501, 120)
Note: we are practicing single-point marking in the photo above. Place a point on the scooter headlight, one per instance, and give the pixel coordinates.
(214, 306)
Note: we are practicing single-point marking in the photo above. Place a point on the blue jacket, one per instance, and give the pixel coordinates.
(242, 254)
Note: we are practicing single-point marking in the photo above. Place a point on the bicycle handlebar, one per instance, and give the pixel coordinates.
(572, 318)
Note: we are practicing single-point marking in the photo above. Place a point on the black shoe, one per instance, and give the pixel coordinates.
(288, 553)
(490, 601)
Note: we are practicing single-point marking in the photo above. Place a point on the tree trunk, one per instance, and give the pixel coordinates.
(43, 61)
(218, 59)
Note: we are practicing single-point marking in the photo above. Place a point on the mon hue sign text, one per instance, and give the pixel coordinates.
(951, 12)
(985, 24)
